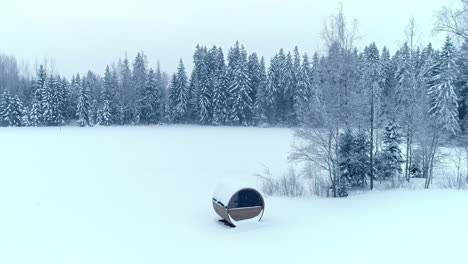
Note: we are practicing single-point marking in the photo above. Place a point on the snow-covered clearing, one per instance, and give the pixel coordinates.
(143, 195)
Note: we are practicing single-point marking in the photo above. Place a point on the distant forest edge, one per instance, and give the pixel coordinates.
(344, 85)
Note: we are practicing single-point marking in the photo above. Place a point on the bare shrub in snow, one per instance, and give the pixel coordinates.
(457, 181)
(318, 185)
(290, 184)
(268, 184)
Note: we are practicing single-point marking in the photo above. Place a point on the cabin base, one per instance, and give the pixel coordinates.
(226, 223)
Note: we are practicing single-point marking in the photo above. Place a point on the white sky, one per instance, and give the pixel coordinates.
(88, 34)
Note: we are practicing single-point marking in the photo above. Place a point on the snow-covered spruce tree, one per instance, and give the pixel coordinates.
(240, 90)
(62, 100)
(83, 105)
(179, 95)
(139, 76)
(126, 94)
(260, 107)
(36, 114)
(391, 159)
(345, 160)
(10, 110)
(313, 113)
(53, 102)
(204, 86)
(220, 91)
(105, 114)
(151, 101)
(444, 100)
(255, 77)
(305, 97)
(387, 83)
(273, 91)
(72, 99)
(296, 91)
(361, 160)
(289, 116)
(462, 84)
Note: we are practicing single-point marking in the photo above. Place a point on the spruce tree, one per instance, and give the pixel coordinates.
(261, 106)
(83, 105)
(179, 95)
(40, 87)
(391, 159)
(126, 104)
(10, 110)
(305, 96)
(462, 85)
(273, 91)
(139, 76)
(255, 77)
(220, 90)
(34, 113)
(151, 101)
(205, 91)
(240, 90)
(444, 100)
(105, 116)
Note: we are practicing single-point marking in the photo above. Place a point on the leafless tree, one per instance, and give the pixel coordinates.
(338, 30)
(412, 34)
(453, 19)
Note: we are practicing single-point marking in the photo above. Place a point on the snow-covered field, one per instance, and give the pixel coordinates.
(143, 195)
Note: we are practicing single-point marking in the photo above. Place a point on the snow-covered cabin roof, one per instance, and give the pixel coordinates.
(224, 191)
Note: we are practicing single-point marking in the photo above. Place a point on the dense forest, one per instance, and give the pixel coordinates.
(365, 102)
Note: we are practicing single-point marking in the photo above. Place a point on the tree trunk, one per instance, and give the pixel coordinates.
(372, 140)
(408, 153)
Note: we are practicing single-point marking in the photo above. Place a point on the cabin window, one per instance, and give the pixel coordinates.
(246, 198)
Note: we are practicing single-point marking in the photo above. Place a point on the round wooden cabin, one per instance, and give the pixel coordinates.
(235, 204)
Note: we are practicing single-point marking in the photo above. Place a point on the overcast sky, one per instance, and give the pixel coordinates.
(88, 34)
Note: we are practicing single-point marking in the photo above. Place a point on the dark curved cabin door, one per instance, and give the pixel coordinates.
(248, 198)
(245, 204)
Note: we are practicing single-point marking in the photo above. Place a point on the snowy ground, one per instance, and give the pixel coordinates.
(143, 195)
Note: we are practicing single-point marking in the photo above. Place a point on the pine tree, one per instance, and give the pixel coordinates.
(444, 100)
(83, 106)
